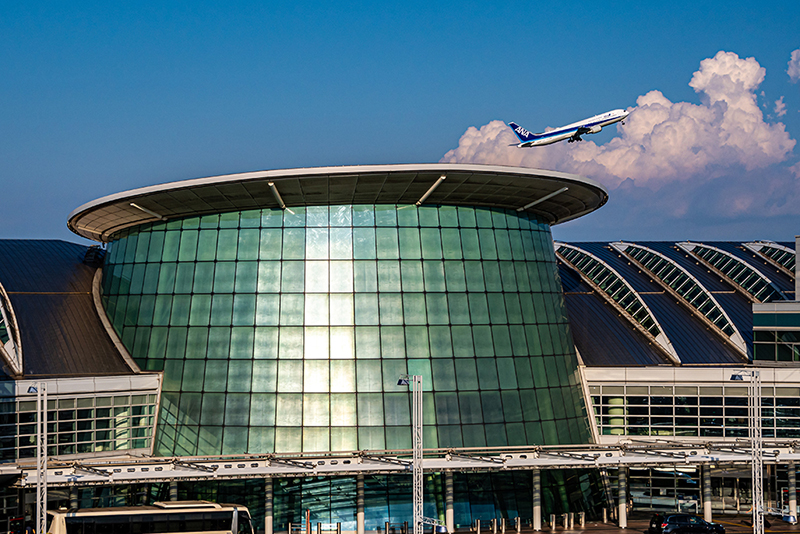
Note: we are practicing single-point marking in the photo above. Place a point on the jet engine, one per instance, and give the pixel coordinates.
(595, 129)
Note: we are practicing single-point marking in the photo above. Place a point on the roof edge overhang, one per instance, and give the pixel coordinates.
(557, 196)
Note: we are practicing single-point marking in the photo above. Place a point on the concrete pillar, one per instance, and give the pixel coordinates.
(449, 518)
(622, 497)
(792, 489)
(73, 498)
(706, 470)
(173, 490)
(537, 500)
(268, 505)
(359, 504)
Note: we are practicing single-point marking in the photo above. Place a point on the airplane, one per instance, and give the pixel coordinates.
(570, 132)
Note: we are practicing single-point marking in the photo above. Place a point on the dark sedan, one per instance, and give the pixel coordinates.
(682, 524)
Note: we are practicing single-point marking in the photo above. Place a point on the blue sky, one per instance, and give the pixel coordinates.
(97, 98)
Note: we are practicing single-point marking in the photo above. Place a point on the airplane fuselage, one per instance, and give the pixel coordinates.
(571, 132)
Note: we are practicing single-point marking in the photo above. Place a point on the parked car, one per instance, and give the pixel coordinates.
(682, 524)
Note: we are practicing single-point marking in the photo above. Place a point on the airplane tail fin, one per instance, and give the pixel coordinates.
(521, 133)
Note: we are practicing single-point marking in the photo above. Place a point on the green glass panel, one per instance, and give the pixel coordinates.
(366, 308)
(364, 244)
(317, 243)
(216, 374)
(365, 276)
(156, 249)
(411, 272)
(290, 343)
(344, 439)
(423, 368)
(316, 309)
(534, 344)
(487, 373)
(227, 244)
(440, 342)
(497, 308)
(207, 245)
(270, 244)
(466, 217)
(176, 343)
(166, 279)
(508, 276)
(242, 339)
(239, 376)
(229, 220)
(292, 306)
(478, 308)
(431, 243)
(317, 216)
(389, 276)
(492, 407)
(316, 439)
(447, 412)
(530, 408)
(491, 275)
(342, 343)
(188, 246)
(466, 374)
(470, 407)
(462, 342)
(444, 378)
(203, 278)
(341, 276)
(150, 283)
(474, 435)
(368, 342)
(171, 246)
(316, 277)
(289, 409)
(387, 244)
(414, 307)
(368, 375)
(451, 244)
(521, 273)
(269, 276)
(265, 376)
(146, 307)
(267, 309)
(342, 376)
(266, 342)
(288, 439)
(341, 309)
(370, 409)
(246, 277)
(341, 216)
(545, 404)
(458, 306)
(503, 245)
(433, 276)
(260, 440)
(363, 216)
(502, 341)
(519, 344)
(343, 409)
(392, 342)
(316, 376)
(200, 310)
(474, 275)
(290, 375)
(391, 308)
(316, 410)
(417, 341)
(512, 408)
(219, 340)
(272, 218)
(221, 309)
(193, 374)
(294, 245)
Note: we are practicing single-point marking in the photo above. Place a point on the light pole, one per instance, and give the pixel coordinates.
(756, 444)
(416, 430)
(40, 388)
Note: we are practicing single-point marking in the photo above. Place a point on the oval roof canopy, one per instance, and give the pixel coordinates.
(555, 196)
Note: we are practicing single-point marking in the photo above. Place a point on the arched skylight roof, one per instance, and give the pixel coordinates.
(10, 344)
(677, 280)
(780, 256)
(616, 290)
(755, 285)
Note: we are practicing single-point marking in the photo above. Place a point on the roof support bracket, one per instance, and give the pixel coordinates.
(431, 189)
(277, 195)
(149, 212)
(540, 200)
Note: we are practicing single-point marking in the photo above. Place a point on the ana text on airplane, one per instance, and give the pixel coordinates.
(570, 132)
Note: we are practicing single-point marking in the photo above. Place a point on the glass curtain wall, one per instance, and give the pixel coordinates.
(286, 331)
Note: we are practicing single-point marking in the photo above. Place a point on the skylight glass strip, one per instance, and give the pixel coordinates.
(616, 289)
(10, 344)
(687, 287)
(779, 255)
(736, 271)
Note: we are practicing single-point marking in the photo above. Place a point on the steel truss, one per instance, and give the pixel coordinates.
(138, 470)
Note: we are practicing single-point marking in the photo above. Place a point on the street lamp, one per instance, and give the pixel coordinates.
(756, 444)
(416, 465)
(40, 389)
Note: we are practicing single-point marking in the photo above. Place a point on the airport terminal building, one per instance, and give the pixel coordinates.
(251, 330)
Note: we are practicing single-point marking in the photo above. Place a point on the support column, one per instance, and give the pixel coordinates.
(449, 518)
(537, 500)
(360, 504)
(622, 497)
(173, 490)
(268, 505)
(73, 498)
(792, 490)
(706, 470)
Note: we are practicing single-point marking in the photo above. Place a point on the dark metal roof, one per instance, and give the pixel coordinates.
(777, 276)
(602, 336)
(693, 341)
(472, 185)
(50, 290)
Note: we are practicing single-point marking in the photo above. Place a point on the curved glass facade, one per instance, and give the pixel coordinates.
(289, 328)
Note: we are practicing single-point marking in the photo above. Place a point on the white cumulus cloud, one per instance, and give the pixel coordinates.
(794, 66)
(780, 107)
(661, 141)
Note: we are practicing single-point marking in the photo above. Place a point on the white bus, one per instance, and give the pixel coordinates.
(200, 517)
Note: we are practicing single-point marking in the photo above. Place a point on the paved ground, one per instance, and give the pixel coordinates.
(638, 523)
